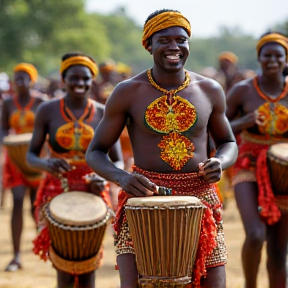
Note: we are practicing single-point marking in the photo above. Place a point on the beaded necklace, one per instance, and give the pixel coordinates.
(66, 111)
(266, 97)
(22, 120)
(25, 108)
(75, 135)
(169, 93)
(171, 115)
(275, 115)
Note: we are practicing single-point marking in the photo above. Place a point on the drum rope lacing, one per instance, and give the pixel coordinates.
(164, 207)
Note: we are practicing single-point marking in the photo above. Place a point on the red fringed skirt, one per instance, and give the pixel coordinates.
(13, 177)
(252, 166)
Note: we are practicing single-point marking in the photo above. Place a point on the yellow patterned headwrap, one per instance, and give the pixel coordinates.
(123, 68)
(162, 21)
(273, 37)
(79, 60)
(29, 69)
(228, 56)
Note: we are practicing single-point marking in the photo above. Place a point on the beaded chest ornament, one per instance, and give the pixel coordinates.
(172, 115)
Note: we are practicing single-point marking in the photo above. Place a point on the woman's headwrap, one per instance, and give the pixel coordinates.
(273, 38)
(122, 68)
(107, 66)
(231, 57)
(162, 21)
(29, 69)
(79, 60)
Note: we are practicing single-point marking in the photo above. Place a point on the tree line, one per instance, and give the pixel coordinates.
(41, 31)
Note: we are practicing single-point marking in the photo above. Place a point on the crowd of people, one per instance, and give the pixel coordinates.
(101, 130)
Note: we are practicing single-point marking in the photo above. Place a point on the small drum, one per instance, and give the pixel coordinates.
(17, 146)
(77, 222)
(278, 164)
(165, 231)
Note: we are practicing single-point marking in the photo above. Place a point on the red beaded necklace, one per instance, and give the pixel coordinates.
(25, 108)
(66, 111)
(266, 97)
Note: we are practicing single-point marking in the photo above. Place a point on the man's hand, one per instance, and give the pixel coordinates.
(211, 170)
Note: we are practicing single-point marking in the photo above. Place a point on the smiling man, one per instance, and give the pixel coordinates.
(168, 111)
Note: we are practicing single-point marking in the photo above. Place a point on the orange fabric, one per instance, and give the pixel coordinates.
(75, 135)
(29, 69)
(163, 21)
(126, 145)
(22, 119)
(79, 60)
(12, 176)
(231, 57)
(273, 37)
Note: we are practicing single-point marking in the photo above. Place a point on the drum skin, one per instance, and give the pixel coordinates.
(17, 147)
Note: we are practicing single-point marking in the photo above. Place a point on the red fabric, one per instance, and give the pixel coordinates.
(51, 187)
(247, 157)
(269, 210)
(207, 243)
(13, 177)
(253, 157)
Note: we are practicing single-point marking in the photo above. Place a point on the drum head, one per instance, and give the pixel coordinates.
(164, 201)
(77, 208)
(17, 139)
(279, 151)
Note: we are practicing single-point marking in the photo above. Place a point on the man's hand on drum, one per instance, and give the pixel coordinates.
(138, 185)
(97, 183)
(57, 166)
(210, 170)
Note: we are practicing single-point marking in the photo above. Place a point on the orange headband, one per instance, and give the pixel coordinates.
(79, 60)
(228, 56)
(162, 21)
(107, 68)
(29, 69)
(273, 37)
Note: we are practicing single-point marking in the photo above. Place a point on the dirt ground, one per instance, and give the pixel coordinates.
(38, 274)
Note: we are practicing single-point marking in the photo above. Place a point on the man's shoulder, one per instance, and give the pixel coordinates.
(204, 82)
(96, 104)
(243, 85)
(132, 83)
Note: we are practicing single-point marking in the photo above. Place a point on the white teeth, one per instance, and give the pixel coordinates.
(173, 57)
(79, 90)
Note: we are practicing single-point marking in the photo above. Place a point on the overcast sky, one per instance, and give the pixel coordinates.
(254, 17)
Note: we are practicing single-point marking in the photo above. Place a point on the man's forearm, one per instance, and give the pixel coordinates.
(227, 154)
(102, 165)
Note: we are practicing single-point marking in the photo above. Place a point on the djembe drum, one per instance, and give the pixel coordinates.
(77, 222)
(165, 231)
(278, 166)
(17, 146)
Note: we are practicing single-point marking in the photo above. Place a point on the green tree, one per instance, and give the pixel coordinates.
(125, 37)
(41, 31)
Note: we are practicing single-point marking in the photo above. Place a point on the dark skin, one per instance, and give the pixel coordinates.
(78, 80)
(244, 98)
(231, 73)
(22, 87)
(129, 101)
